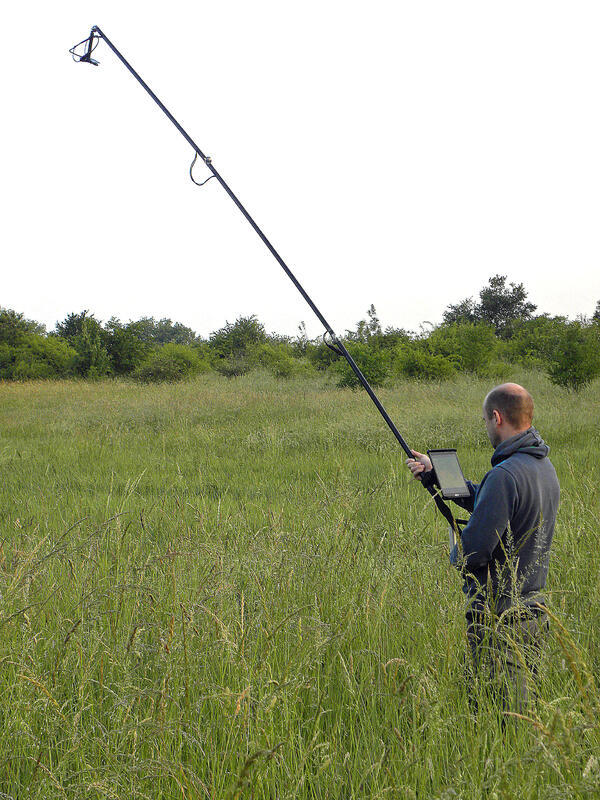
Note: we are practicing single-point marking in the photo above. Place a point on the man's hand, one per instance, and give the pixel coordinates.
(419, 464)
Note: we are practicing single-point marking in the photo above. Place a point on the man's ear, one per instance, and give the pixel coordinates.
(497, 417)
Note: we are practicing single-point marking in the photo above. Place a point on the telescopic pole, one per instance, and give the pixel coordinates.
(338, 346)
(208, 161)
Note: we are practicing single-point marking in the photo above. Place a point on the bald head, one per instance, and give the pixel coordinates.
(513, 402)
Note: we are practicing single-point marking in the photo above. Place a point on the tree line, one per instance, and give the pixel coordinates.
(486, 336)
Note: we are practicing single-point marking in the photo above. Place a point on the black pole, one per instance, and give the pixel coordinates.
(338, 344)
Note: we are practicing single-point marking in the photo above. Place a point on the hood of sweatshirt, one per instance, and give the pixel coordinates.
(528, 442)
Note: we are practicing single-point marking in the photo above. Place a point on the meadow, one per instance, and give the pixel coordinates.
(232, 589)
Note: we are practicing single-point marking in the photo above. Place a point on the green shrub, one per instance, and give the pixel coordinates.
(374, 364)
(500, 306)
(25, 370)
(533, 341)
(413, 361)
(37, 357)
(6, 360)
(498, 370)
(234, 365)
(320, 356)
(169, 363)
(13, 326)
(237, 337)
(93, 360)
(576, 356)
(278, 359)
(125, 349)
(161, 331)
(471, 345)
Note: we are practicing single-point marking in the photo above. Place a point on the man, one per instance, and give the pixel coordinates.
(506, 543)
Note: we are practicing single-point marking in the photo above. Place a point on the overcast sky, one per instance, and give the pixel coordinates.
(395, 153)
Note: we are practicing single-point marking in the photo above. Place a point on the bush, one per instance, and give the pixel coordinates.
(125, 349)
(472, 346)
(93, 361)
(500, 306)
(374, 365)
(534, 341)
(169, 363)
(13, 326)
(6, 360)
(413, 361)
(278, 359)
(576, 360)
(498, 370)
(234, 365)
(320, 356)
(24, 370)
(162, 331)
(37, 357)
(236, 338)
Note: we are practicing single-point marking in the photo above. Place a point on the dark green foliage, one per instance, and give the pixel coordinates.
(375, 365)
(237, 337)
(169, 363)
(126, 349)
(205, 353)
(87, 336)
(390, 338)
(320, 356)
(119, 338)
(576, 356)
(465, 311)
(162, 331)
(37, 357)
(239, 346)
(414, 361)
(279, 360)
(25, 352)
(469, 346)
(6, 360)
(13, 326)
(234, 365)
(534, 341)
(499, 305)
(90, 343)
(485, 339)
(72, 325)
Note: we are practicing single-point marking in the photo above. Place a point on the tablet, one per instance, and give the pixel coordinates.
(449, 474)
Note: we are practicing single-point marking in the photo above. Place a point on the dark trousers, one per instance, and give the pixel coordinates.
(505, 653)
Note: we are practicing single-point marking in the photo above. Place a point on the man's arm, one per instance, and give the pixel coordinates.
(496, 504)
(468, 503)
(422, 470)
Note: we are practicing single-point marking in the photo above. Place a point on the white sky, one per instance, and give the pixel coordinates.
(395, 153)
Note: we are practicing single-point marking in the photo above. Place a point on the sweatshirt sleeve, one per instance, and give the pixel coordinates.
(495, 507)
(468, 503)
(429, 479)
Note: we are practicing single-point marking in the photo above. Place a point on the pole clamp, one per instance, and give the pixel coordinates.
(208, 162)
(332, 343)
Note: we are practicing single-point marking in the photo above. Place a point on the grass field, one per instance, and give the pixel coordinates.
(227, 589)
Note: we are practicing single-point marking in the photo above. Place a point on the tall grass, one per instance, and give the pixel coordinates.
(228, 589)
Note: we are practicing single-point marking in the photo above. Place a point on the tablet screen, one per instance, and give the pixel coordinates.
(449, 473)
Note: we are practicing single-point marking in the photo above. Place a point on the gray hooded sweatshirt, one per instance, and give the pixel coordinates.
(506, 543)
